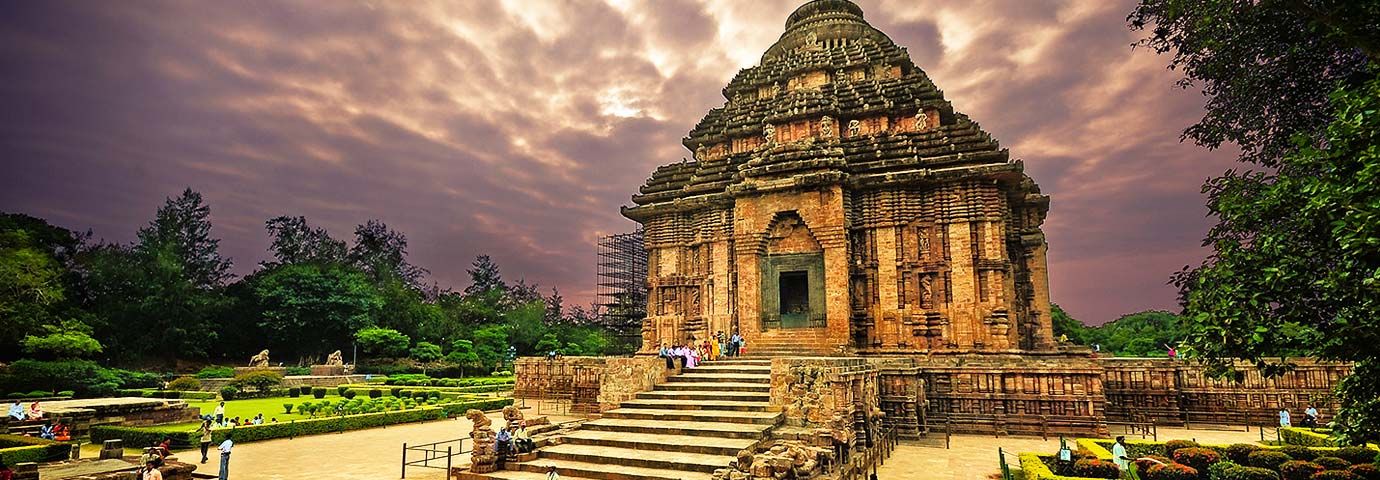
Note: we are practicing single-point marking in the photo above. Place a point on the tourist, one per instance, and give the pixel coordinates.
(1310, 416)
(7, 474)
(17, 411)
(61, 432)
(665, 352)
(150, 471)
(735, 344)
(504, 443)
(35, 412)
(224, 448)
(1284, 417)
(1119, 454)
(695, 358)
(205, 432)
(165, 447)
(220, 414)
(550, 474)
(46, 431)
(523, 440)
(273, 420)
(1171, 351)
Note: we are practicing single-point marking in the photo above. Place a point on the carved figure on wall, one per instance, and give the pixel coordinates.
(858, 291)
(926, 290)
(811, 40)
(769, 133)
(854, 127)
(695, 300)
(775, 89)
(840, 76)
(700, 152)
(924, 244)
(826, 127)
(334, 359)
(512, 416)
(260, 360)
(668, 301)
(922, 121)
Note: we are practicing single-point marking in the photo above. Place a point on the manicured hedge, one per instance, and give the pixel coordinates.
(16, 449)
(1035, 468)
(1305, 437)
(153, 393)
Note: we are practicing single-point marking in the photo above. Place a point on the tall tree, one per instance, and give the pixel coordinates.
(314, 308)
(484, 276)
(182, 228)
(294, 241)
(35, 260)
(382, 251)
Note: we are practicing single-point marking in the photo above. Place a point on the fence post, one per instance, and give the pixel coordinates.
(1001, 458)
(447, 463)
(404, 461)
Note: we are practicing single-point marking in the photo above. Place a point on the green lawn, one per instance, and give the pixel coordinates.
(270, 407)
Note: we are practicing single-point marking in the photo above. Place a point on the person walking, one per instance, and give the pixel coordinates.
(205, 432)
(1284, 417)
(1119, 454)
(224, 448)
(220, 413)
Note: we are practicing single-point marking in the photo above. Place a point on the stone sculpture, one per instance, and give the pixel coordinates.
(783, 459)
(926, 290)
(769, 133)
(260, 360)
(854, 128)
(826, 127)
(484, 458)
(922, 121)
(335, 359)
(512, 416)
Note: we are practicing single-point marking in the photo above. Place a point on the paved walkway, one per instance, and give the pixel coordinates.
(371, 454)
(974, 457)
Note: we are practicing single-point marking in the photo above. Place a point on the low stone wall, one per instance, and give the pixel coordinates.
(591, 384)
(215, 384)
(1173, 392)
(128, 411)
(837, 395)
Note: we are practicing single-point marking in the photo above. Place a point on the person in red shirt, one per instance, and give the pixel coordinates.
(5, 472)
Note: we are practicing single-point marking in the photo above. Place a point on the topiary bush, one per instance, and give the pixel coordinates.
(375, 393)
(1238, 452)
(1334, 475)
(229, 392)
(1251, 473)
(1171, 471)
(348, 394)
(1094, 468)
(1365, 471)
(395, 391)
(1332, 463)
(258, 380)
(216, 371)
(1268, 459)
(1299, 452)
(1356, 454)
(184, 384)
(420, 394)
(287, 408)
(318, 392)
(1144, 463)
(1172, 445)
(1219, 470)
(305, 389)
(434, 395)
(294, 392)
(1198, 458)
(341, 389)
(1299, 469)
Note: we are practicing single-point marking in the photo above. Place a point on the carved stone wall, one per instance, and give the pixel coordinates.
(838, 394)
(591, 384)
(1010, 394)
(1173, 392)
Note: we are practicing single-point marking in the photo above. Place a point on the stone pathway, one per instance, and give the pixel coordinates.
(974, 457)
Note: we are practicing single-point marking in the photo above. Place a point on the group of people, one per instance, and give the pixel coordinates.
(513, 440)
(1310, 418)
(222, 421)
(19, 413)
(692, 353)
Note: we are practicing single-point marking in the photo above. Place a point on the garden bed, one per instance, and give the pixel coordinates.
(16, 449)
(1040, 467)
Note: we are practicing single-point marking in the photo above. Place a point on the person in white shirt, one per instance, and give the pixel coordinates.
(150, 471)
(1119, 454)
(551, 474)
(1284, 417)
(225, 456)
(220, 414)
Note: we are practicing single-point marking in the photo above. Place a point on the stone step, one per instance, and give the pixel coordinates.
(716, 404)
(761, 418)
(704, 396)
(714, 387)
(695, 375)
(652, 441)
(655, 459)
(741, 361)
(752, 431)
(599, 471)
(716, 367)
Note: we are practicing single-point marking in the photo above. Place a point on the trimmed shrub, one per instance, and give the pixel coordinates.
(1220, 470)
(1197, 457)
(287, 408)
(1238, 452)
(229, 392)
(1299, 452)
(15, 449)
(297, 371)
(216, 371)
(1171, 471)
(66, 393)
(1144, 463)
(1334, 475)
(258, 380)
(1365, 471)
(318, 392)
(340, 390)
(1356, 455)
(184, 437)
(1094, 468)
(185, 384)
(1172, 445)
(305, 389)
(294, 392)
(1299, 469)
(348, 394)
(420, 394)
(1268, 459)
(375, 393)
(433, 394)
(1252, 473)
(395, 391)
(1332, 463)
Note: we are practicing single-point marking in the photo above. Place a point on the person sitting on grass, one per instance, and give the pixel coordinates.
(17, 411)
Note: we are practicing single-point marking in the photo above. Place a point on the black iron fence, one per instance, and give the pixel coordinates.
(435, 455)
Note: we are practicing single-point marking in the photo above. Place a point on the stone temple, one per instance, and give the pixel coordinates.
(884, 258)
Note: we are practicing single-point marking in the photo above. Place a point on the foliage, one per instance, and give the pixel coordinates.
(229, 392)
(313, 307)
(1356, 454)
(1221, 470)
(382, 341)
(184, 384)
(1171, 471)
(1144, 463)
(382, 252)
(375, 393)
(484, 277)
(1299, 452)
(1270, 459)
(318, 392)
(16, 449)
(215, 371)
(1198, 458)
(34, 280)
(1334, 475)
(257, 380)
(182, 227)
(1094, 468)
(69, 340)
(1174, 445)
(1305, 437)
(1332, 463)
(1365, 471)
(294, 241)
(426, 352)
(1237, 452)
(1252, 473)
(84, 377)
(287, 408)
(1299, 469)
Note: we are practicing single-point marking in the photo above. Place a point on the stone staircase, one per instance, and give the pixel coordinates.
(683, 429)
(804, 343)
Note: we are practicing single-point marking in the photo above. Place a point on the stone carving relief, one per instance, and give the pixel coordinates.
(700, 152)
(854, 127)
(826, 127)
(924, 239)
(775, 89)
(512, 416)
(769, 133)
(668, 301)
(260, 360)
(485, 456)
(922, 121)
(926, 291)
(783, 459)
(695, 300)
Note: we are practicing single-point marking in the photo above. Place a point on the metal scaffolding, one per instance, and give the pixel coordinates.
(621, 295)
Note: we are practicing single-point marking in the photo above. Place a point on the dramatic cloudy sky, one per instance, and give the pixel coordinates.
(517, 128)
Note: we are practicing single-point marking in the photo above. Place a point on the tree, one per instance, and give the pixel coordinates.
(462, 353)
(490, 344)
(1295, 266)
(294, 241)
(144, 302)
(425, 352)
(1266, 68)
(384, 342)
(35, 276)
(1064, 325)
(182, 229)
(484, 276)
(66, 341)
(314, 308)
(382, 252)
(548, 343)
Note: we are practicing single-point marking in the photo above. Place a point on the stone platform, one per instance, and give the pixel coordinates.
(215, 384)
(133, 411)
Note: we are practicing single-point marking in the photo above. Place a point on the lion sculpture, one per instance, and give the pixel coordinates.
(260, 360)
(335, 359)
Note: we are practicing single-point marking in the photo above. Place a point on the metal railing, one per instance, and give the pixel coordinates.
(433, 452)
(1005, 467)
(859, 466)
(1267, 431)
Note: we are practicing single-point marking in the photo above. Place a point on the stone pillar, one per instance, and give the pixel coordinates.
(964, 327)
(887, 316)
(1039, 280)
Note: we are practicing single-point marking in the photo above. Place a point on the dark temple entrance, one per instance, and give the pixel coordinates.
(795, 299)
(793, 291)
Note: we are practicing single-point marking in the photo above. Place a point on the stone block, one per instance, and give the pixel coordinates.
(327, 370)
